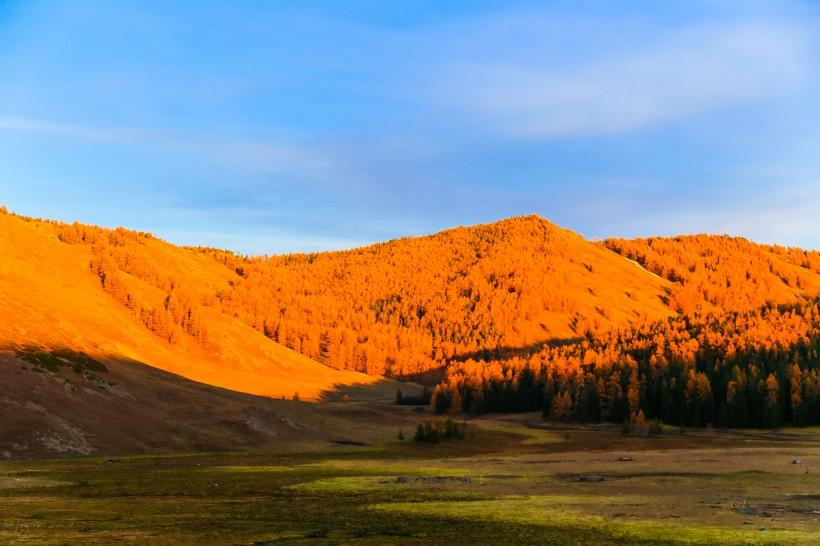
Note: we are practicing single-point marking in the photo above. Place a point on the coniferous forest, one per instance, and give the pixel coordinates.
(758, 368)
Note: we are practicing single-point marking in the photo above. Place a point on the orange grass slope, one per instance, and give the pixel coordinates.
(50, 297)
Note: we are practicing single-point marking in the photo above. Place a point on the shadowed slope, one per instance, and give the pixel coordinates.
(62, 402)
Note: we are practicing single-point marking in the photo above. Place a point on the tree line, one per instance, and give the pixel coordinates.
(758, 368)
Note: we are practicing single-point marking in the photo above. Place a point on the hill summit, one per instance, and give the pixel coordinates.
(408, 305)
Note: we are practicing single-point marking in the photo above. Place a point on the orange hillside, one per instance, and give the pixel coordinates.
(288, 324)
(717, 272)
(413, 304)
(58, 290)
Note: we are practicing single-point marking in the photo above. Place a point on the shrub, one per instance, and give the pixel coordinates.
(420, 433)
(436, 431)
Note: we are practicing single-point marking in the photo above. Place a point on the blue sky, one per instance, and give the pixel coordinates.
(270, 127)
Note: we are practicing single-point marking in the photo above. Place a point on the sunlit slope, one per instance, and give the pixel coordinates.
(414, 304)
(718, 272)
(285, 324)
(50, 297)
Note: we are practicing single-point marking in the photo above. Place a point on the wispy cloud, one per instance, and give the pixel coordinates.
(262, 156)
(693, 70)
(29, 125)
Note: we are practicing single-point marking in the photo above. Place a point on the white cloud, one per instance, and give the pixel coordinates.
(694, 70)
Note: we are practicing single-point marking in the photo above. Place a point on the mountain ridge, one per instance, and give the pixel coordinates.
(411, 304)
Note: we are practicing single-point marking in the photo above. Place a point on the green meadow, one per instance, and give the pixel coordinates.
(513, 480)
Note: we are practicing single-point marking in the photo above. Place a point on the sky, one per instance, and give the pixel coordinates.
(269, 127)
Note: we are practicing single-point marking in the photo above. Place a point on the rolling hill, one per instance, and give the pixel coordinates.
(398, 308)
(97, 321)
(82, 371)
(500, 289)
(413, 304)
(51, 298)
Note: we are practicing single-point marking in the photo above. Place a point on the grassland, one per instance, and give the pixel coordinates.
(516, 480)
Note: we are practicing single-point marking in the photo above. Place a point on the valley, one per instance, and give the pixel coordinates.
(553, 390)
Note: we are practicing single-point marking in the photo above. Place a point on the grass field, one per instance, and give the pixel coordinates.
(515, 480)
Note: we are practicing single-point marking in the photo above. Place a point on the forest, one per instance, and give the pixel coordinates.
(735, 369)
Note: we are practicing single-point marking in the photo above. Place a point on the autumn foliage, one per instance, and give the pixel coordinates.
(412, 305)
(754, 368)
(175, 312)
(713, 272)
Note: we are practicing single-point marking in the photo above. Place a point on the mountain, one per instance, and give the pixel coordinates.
(100, 327)
(411, 305)
(488, 291)
(743, 348)
(265, 325)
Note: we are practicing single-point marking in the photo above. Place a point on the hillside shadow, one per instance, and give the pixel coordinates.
(508, 352)
(380, 391)
(64, 402)
(98, 403)
(102, 367)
